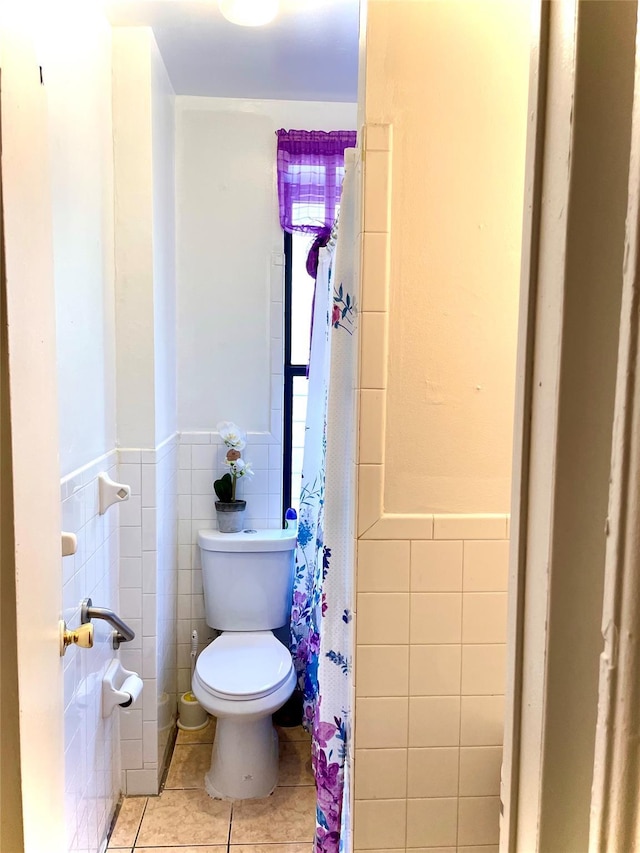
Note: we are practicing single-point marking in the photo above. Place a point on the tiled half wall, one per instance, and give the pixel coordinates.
(92, 759)
(430, 661)
(148, 602)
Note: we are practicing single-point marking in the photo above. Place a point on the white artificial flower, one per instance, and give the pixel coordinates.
(247, 470)
(232, 435)
(239, 468)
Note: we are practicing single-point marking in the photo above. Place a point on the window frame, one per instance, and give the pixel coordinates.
(291, 371)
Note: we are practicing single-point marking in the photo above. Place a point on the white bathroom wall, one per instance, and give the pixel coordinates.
(144, 134)
(92, 753)
(227, 202)
(148, 589)
(164, 265)
(230, 314)
(133, 214)
(77, 77)
(166, 592)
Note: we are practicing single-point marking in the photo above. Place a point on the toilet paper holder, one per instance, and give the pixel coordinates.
(120, 686)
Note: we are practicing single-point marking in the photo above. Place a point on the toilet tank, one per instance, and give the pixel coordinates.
(247, 578)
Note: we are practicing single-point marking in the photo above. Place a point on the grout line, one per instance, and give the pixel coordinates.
(135, 840)
(407, 739)
(460, 699)
(230, 826)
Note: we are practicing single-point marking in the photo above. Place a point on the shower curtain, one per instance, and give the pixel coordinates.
(321, 614)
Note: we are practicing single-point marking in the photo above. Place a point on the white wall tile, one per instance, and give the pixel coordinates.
(149, 568)
(131, 603)
(131, 512)
(92, 757)
(140, 782)
(131, 475)
(196, 438)
(148, 485)
(149, 542)
(130, 542)
(131, 725)
(202, 482)
(203, 457)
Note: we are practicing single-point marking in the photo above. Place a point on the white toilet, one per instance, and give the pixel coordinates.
(245, 674)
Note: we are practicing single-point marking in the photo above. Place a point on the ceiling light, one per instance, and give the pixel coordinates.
(249, 13)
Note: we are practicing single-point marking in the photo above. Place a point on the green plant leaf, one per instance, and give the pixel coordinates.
(223, 488)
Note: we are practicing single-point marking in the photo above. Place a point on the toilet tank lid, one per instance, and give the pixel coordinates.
(247, 540)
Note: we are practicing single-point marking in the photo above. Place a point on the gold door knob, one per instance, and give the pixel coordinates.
(82, 636)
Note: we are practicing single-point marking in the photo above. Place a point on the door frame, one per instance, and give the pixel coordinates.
(545, 561)
(615, 820)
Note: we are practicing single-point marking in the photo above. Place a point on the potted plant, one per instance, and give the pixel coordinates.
(229, 509)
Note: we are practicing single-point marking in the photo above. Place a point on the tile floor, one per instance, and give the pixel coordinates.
(184, 819)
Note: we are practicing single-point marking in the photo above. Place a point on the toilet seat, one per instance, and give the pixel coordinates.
(241, 666)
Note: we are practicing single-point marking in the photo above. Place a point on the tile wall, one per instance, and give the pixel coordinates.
(200, 460)
(430, 616)
(92, 757)
(148, 602)
(430, 665)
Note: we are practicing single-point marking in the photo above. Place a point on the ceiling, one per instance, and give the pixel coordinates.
(310, 51)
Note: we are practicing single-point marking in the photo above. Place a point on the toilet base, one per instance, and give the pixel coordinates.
(244, 759)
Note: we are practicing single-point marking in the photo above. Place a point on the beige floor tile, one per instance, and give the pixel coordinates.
(128, 822)
(216, 848)
(287, 815)
(273, 848)
(188, 766)
(203, 736)
(184, 818)
(286, 733)
(295, 763)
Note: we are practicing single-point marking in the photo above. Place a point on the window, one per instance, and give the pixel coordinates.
(298, 299)
(310, 172)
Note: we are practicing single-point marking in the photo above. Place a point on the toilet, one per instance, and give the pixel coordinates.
(245, 674)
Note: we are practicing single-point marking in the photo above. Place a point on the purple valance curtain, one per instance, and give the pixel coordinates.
(310, 173)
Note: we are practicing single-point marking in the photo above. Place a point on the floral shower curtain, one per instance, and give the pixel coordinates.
(321, 614)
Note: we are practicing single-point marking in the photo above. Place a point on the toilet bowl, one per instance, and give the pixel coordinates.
(245, 674)
(242, 678)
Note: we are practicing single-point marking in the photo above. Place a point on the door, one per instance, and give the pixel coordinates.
(29, 367)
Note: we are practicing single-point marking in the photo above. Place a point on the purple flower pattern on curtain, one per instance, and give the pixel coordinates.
(321, 623)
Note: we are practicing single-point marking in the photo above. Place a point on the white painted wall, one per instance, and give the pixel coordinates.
(457, 103)
(227, 232)
(164, 266)
(77, 73)
(77, 76)
(132, 149)
(144, 132)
